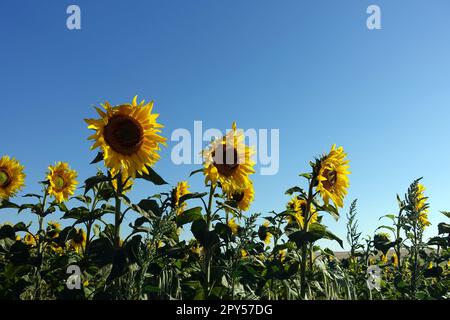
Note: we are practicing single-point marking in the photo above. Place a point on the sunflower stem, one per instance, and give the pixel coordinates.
(118, 214)
(207, 250)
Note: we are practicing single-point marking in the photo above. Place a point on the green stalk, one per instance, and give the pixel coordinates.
(304, 249)
(207, 250)
(118, 213)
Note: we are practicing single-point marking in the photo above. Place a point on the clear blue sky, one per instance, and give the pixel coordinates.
(310, 68)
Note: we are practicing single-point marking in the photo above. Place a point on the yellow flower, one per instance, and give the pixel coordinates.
(227, 160)
(128, 135)
(53, 229)
(243, 198)
(127, 182)
(383, 258)
(234, 227)
(62, 181)
(264, 233)
(78, 242)
(196, 248)
(180, 190)
(420, 207)
(18, 237)
(298, 207)
(30, 239)
(332, 178)
(12, 178)
(282, 253)
(244, 253)
(394, 259)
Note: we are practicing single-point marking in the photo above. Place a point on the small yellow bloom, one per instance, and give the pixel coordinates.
(12, 178)
(244, 253)
(234, 227)
(180, 190)
(62, 181)
(30, 239)
(264, 233)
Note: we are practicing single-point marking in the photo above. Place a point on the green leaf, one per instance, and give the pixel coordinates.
(443, 228)
(94, 181)
(315, 232)
(195, 172)
(152, 176)
(150, 206)
(194, 195)
(98, 158)
(4, 204)
(189, 216)
(306, 175)
(292, 190)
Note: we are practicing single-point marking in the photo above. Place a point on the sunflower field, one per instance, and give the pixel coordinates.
(234, 254)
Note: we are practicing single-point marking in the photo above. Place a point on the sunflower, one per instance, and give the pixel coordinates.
(282, 254)
(53, 229)
(62, 181)
(227, 160)
(128, 135)
(394, 259)
(78, 242)
(180, 190)
(12, 178)
(30, 239)
(297, 206)
(244, 253)
(127, 182)
(421, 206)
(264, 233)
(332, 177)
(244, 197)
(234, 227)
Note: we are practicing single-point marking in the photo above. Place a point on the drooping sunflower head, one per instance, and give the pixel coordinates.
(12, 178)
(332, 177)
(264, 233)
(234, 227)
(180, 190)
(228, 160)
(394, 259)
(62, 181)
(78, 242)
(297, 207)
(30, 240)
(53, 229)
(244, 197)
(128, 136)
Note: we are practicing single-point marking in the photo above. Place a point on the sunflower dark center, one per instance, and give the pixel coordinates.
(225, 160)
(5, 180)
(123, 134)
(331, 176)
(59, 182)
(238, 196)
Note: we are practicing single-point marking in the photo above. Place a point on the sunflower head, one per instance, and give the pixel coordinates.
(30, 240)
(53, 229)
(180, 190)
(244, 197)
(228, 161)
(332, 176)
(394, 259)
(264, 233)
(12, 178)
(234, 227)
(62, 183)
(297, 207)
(128, 136)
(78, 242)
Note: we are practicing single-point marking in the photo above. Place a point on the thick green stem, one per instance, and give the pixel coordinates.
(118, 213)
(208, 250)
(305, 246)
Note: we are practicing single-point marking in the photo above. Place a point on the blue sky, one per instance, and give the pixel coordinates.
(310, 68)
